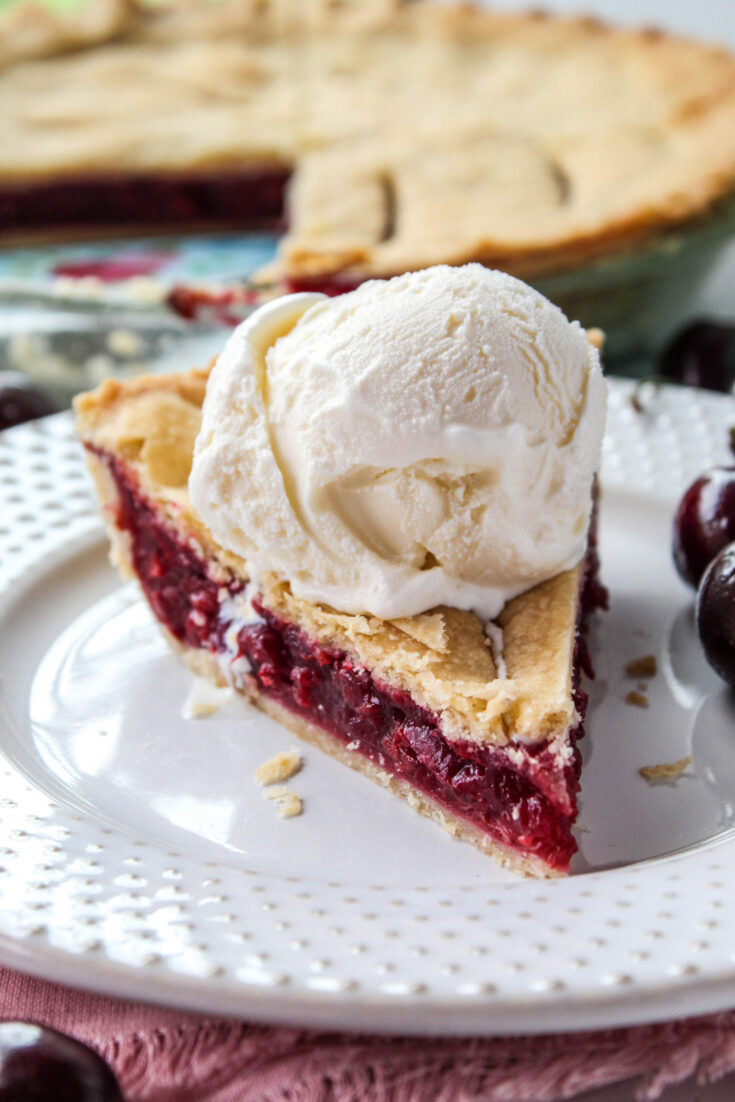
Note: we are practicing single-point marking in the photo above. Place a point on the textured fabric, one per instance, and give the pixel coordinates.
(167, 1056)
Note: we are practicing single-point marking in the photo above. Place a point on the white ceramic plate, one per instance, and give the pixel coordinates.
(139, 858)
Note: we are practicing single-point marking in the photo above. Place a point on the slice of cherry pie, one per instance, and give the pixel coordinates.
(486, 746)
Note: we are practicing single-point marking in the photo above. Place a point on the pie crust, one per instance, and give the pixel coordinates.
(142, 431)
(416, 133)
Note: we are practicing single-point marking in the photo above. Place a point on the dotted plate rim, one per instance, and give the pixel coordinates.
(83, 901)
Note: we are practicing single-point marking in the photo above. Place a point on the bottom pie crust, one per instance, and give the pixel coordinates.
(205, 665)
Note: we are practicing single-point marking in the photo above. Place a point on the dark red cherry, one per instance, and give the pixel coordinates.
(716, 614)
(41, 1065)
(702, 354)
(704, 522)
(20, 400)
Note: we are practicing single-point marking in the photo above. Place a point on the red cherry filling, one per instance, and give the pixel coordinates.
(525, 800)
(249, 199)
(114, 269)
(175, 579)
(227, 307)
(326, 285)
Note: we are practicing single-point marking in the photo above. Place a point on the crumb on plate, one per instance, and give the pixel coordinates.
(647, 666)
(667, 771)
(638, 700)
(287, 802)
(281, 767)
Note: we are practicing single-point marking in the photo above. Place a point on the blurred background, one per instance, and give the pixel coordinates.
(73, 311)
(710, 19)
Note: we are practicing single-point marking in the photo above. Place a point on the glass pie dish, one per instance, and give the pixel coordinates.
(639, 298)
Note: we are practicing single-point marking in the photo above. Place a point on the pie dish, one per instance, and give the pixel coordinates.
(528, 142)
(485, 746)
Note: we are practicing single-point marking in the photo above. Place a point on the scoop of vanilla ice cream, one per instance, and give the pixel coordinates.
(426, 440)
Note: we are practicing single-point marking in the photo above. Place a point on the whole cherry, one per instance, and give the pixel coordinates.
(41, 1065)
(716, 614)
(702, 354)
(704, 522)
(20, 400)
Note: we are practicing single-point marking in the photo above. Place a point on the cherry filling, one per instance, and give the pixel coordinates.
(327, 285)
(525, 800)
(199, 303)
(253, 199)
(244, 200)
(531, 806)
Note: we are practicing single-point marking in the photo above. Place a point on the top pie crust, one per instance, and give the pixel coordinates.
(441, 657)
(418, 133)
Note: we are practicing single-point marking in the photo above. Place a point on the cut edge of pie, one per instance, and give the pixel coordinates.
(416, 704)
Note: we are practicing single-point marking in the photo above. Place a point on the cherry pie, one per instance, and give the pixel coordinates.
(411, 133)
(484, 745)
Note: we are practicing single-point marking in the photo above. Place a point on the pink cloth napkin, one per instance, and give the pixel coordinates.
(168, 1056)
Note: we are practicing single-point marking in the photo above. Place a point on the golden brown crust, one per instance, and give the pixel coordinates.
(443, 657)
(527, 142)
(33, 31)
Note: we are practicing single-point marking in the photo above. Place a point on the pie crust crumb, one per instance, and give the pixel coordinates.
(667, 771)
(638, 700)
(281, 767)
(646, 666)
(287, 802)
